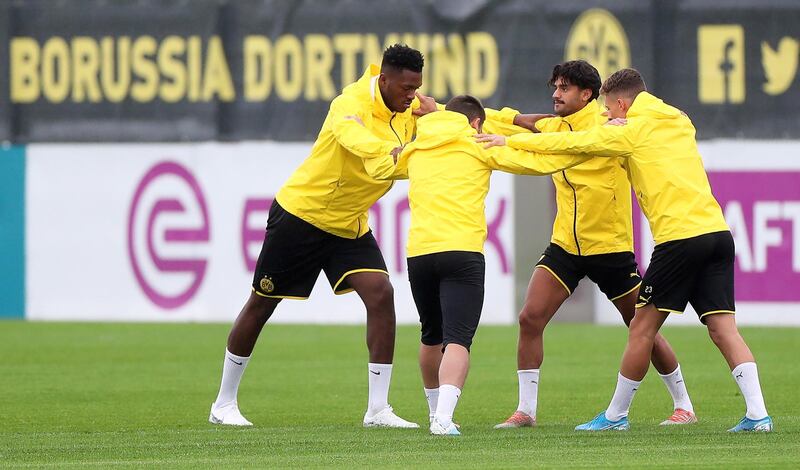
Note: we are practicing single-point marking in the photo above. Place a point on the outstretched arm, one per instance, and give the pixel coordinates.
(505, 121)
(522, 162)
(509, 121)
(528, 121)
(601, 141)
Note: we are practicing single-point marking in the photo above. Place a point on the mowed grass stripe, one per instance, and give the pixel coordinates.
(128, 395)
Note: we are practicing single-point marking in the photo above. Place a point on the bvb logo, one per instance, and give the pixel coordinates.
(267, 285)
(599, 38)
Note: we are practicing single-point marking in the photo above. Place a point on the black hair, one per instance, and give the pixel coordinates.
(579, 73)
(467, 105)
(400, 56)
(626, 81)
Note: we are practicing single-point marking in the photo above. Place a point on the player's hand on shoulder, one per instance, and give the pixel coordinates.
(490, 140)
(426, 105)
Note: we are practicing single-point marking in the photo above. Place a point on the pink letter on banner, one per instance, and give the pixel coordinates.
(251, 234)
(493, 236)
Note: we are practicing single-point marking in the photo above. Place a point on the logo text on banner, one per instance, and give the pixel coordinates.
(168, 197)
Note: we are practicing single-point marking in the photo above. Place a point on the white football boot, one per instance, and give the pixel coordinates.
(227, 414)
(387, 419)
(440, 430)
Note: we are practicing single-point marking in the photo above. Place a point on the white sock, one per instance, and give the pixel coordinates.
(677, 389)
(232, 370)
(528, 391)
(432, 395)
(446, 406)
(623, 396)
(746, 377)
(379, 377)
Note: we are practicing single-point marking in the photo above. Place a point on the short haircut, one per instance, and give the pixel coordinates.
(399, 57)
(628, 82)
(467, 105)
(579, 73)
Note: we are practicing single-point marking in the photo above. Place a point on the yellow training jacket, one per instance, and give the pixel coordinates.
(448, 176)
(333, 188)
(663, 163)
(593, 199)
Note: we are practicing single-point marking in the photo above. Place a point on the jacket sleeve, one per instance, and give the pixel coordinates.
(601, 141)
(523, 162)
(353, 136)
(499, 122)
(541, 124)
(502, 122)
(385, 168)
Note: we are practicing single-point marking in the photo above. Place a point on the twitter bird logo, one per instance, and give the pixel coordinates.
(780, 65)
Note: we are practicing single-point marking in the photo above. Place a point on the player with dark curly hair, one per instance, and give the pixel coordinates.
(693, 259)
(592, 237)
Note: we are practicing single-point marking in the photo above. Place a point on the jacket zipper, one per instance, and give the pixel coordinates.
(392, 128)
(575, 199)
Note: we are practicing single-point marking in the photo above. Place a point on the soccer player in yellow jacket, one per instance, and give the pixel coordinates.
(318, 222)
(592, 237)
(448, 181)
(693, 260)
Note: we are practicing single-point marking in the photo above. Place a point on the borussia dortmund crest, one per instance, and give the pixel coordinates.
(267, 285)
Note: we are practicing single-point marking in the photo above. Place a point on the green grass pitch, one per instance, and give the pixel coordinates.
(133, 395)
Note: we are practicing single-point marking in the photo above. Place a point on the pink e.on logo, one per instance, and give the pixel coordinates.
(168, 213)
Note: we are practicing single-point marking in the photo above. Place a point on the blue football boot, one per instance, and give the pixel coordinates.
(601, 423)
(753, 425)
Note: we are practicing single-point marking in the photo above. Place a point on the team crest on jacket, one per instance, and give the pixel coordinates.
(267, 285)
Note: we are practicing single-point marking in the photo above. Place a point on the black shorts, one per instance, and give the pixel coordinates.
(294, 252)
(448, 291)
(697, 270)
(615, 274)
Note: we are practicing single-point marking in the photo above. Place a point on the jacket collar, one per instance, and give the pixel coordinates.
(585, 117)
(379, 108)
(643, 101)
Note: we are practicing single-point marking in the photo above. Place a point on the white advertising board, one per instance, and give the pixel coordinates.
(171, 232)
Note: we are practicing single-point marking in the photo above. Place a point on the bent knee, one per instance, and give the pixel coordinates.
(384, 295)
(533, 319)
(380, 297)
(639, 330)
(260, 307)
(721, 337)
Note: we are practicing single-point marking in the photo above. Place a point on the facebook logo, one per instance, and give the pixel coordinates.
(720, 64)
